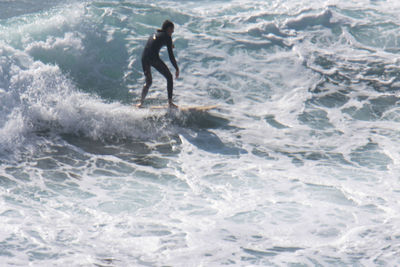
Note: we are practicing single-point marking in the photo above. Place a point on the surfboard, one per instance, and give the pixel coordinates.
(185, 108)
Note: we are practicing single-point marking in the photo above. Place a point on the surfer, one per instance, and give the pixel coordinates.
(151, 58)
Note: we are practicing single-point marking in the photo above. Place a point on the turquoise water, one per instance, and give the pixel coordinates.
(298, 166)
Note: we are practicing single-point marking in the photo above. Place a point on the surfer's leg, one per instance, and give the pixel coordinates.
(163, 69)
(147, 73)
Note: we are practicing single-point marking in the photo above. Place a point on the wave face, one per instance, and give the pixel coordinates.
(297, 166)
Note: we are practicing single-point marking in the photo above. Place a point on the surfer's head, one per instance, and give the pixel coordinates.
(168, 27)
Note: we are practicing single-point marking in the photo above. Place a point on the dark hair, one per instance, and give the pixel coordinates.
(166, 25)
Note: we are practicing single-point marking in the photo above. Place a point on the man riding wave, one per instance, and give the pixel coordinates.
(151, 58)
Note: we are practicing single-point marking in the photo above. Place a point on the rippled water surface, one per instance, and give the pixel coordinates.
(298, 165)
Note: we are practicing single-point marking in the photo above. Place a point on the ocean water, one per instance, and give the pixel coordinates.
(298, 166)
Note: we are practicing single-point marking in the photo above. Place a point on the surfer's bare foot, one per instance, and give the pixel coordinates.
(172, 105)
(140, 105)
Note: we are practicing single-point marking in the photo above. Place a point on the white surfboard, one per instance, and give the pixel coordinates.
(185, 108)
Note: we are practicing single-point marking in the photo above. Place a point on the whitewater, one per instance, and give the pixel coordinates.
(298, 165)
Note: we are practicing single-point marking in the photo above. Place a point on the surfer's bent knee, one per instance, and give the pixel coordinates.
(148, 82)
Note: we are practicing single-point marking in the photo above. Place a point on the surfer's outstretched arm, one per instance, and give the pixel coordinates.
(170, 46)
(169, 27)
(172, 57)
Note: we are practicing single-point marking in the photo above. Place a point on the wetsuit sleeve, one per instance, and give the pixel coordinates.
(171, 53)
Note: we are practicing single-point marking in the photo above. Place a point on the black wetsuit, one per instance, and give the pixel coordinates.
(151, 57)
